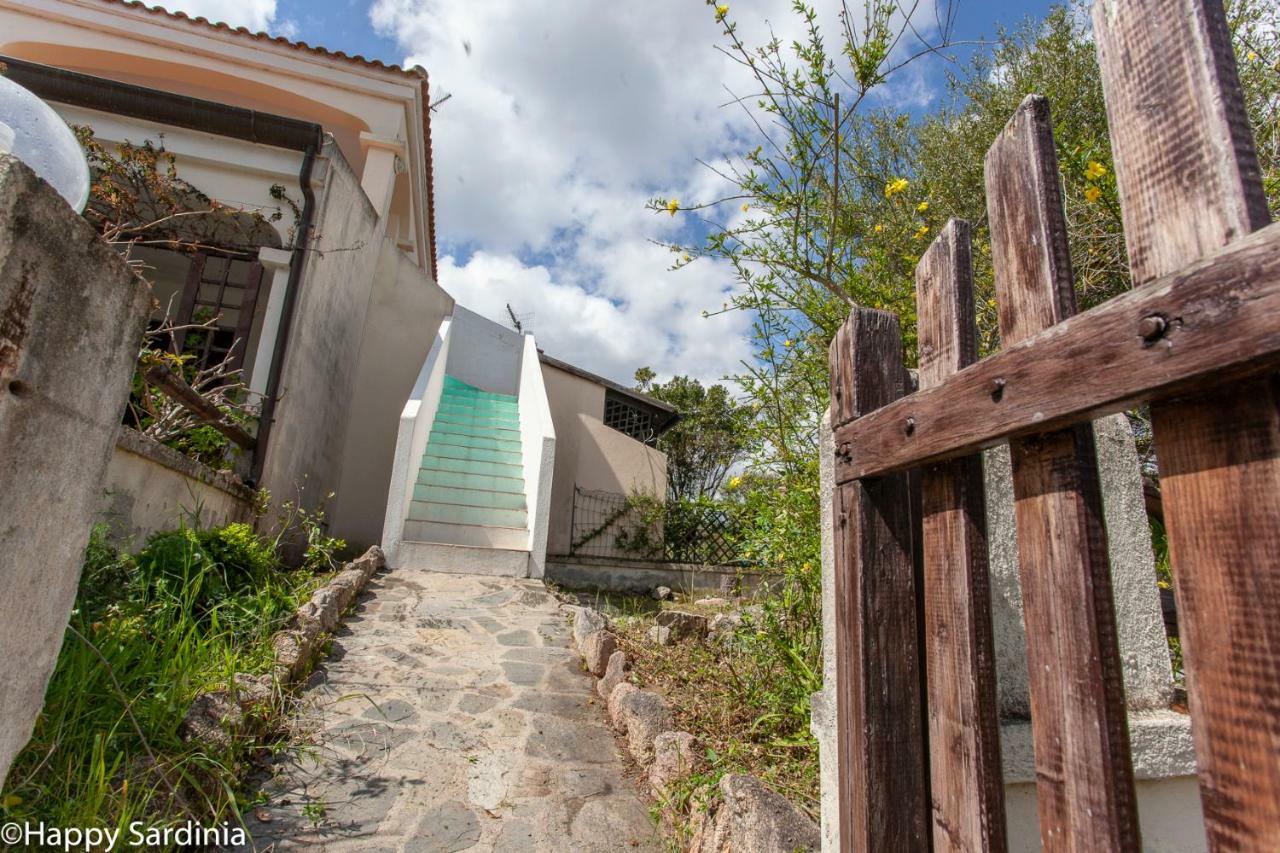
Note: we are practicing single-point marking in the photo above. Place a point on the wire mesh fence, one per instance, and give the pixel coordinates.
(608, 524)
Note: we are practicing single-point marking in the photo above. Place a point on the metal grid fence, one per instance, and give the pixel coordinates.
(612, 525)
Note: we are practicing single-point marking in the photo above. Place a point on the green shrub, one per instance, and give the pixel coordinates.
(200, 568)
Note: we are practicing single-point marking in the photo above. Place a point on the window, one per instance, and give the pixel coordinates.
(224, 289)
(628, 418)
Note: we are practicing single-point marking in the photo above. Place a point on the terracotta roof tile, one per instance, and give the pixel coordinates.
(266, 37)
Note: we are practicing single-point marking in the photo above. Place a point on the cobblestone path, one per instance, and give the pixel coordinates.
(452, 715)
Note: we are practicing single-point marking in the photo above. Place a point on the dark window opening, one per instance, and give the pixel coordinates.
(628, 418)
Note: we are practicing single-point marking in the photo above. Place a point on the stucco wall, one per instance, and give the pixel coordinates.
(484, 353)
(150, 487)
(590, 454)
(304, 453)
(71, 317)
(405, 311)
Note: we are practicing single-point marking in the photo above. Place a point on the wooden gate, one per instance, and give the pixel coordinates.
(1199, 338)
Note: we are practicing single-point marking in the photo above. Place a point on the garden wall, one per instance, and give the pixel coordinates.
(150, 487)
(71, 318)
(641, 577)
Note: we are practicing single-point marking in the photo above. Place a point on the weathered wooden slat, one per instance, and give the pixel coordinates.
(1216, 321)
(1084, 781)
(1189, 184)
(964, 730)
(883, 801)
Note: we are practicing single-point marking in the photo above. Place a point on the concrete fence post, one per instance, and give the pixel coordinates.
(71, 320)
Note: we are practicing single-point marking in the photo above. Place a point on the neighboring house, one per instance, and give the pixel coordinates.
(332, 310)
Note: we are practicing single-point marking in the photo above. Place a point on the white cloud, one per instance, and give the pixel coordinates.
(257, 15)
(564, 118)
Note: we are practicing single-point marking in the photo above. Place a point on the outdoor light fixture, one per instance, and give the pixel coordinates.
(31, 131)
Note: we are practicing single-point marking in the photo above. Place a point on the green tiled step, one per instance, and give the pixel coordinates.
(474, 399)
(460, 480)
(485, 442)
(451, 411)
(508, 433)
(468, 497)
(471, 466)
(453, 386)
(436, 450)
(454, 514)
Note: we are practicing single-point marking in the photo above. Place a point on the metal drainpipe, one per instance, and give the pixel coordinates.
(292, 284)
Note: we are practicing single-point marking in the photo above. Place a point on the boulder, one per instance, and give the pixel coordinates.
(645, 715)
(615, 672)
(752, 818)
(683, 625)
(218, 718)
(659, 635)
(621, 692)
(587, 621)
(723, 626)
(596, 650)
(675, 757)
(661, 593)
(714, 602)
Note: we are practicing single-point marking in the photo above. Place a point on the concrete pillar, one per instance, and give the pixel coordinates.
(71, 320)
(275, 276)
(384, 159)
(1163, 757)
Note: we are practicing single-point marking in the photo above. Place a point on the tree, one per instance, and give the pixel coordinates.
(706, 442)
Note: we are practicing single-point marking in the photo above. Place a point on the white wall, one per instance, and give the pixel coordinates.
(405, 311)
(485, 354)
(538, 437)
(412, 433)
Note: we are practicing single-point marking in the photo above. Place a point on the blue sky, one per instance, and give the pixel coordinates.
(566, 116)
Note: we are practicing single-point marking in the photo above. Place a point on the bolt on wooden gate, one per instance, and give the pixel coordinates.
(1199, 338)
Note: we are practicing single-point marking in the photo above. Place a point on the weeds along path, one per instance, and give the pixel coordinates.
(451, 715)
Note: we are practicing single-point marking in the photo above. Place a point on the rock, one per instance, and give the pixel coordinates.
(614, 674)
(645, 715)
(714, 602)
(659, 635)
(596, 650)
(683, 625)
(661, 593)
(217, 718)
(675, 757)
(723, 626)
(621, 692)
(587, 621)
(751, 818)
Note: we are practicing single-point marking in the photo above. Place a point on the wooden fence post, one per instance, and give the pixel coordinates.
(964, 729)
(883, 800)
(1084, 780)
(1190, 184)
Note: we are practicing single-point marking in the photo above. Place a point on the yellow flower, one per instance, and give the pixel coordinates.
(745, 207)
(878, 228)
(673, 206)
(1095, 170)
(922, 206)
(921, 231)
(734, 482)
(787, 343)
(1092, 194)
(687, 259)
(895, 186)
(721, 11)
(1253, 56)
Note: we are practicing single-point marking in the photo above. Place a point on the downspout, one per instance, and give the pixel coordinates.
(292, 284)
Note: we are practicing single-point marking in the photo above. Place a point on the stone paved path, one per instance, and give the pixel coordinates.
(452, 715)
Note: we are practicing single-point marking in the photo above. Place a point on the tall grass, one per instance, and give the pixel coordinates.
(148, 634)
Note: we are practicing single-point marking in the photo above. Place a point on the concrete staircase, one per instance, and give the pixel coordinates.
(468, 508)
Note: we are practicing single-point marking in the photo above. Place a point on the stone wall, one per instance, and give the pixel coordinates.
(150, 487)
(1164, 763)
(71, 319)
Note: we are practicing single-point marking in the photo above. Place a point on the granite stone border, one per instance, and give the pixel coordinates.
(741, 812)
(221, 716)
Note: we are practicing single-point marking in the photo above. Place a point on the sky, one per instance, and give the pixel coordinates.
(564, 118)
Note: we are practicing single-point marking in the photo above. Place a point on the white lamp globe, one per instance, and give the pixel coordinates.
(31, 131)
